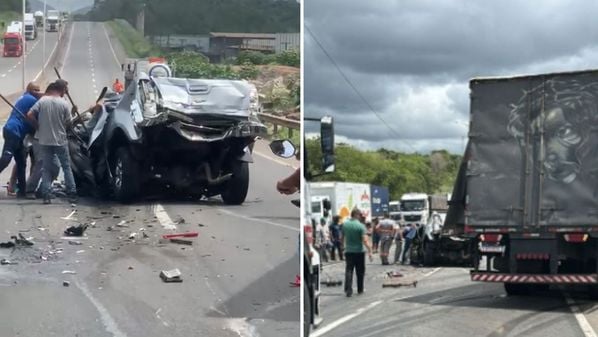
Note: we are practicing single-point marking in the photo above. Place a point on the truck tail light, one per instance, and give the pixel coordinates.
(576, 238)
(490, 237)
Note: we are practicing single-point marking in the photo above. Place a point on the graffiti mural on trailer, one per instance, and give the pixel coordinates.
(567, 113)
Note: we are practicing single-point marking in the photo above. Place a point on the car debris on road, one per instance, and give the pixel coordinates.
(76, 230)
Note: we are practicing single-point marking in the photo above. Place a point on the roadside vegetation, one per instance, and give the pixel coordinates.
(202, 17)
(6, 17)
(133, 42)
(400, 172)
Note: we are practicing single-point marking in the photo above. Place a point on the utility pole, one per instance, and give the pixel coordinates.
(24, 42)
(44, 40)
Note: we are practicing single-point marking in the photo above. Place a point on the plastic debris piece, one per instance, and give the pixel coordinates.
(169, 276)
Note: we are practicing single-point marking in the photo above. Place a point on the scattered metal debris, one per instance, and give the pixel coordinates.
(76, 230)
(75, 243)
(66, 283)
(70, 272)
(5, 262)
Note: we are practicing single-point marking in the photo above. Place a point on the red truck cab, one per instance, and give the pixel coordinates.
(13, 44)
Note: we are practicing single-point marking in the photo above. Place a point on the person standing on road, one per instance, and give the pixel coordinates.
(386, 230)
(398, 244)
(408, 234)
(53, 117)
(336, 237)
(16, 128)
(356, 243)
(118, 87)
(375, 235)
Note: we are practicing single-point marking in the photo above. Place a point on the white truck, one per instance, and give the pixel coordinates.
(394, 210)
(343, 198)
(39, 18)
(415, 208)
(30, 27)
(52, 20)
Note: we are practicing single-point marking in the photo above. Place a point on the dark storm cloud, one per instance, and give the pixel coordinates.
(412, 59)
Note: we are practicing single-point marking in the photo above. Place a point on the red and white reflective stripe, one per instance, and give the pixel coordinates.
(535, 278)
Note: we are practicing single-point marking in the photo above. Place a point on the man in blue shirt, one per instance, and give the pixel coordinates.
(14, 131)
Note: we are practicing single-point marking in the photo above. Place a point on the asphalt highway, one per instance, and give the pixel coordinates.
(236, 273)
(446, 303)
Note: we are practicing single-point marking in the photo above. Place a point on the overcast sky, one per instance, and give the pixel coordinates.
(412, 61)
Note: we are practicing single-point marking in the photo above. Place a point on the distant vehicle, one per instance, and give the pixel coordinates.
(39, 18)
(13, 40)
(526, 190)
(394, 210)
(415, 208)
(380, 196)
(30, 27)
(343, 197)
(52, 20)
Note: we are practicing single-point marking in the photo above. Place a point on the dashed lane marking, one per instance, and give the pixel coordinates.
(338, 322)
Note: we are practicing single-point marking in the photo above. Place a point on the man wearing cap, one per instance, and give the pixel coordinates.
(52, 116)
(16, 128)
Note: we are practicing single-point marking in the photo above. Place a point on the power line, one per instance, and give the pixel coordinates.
(365, 101)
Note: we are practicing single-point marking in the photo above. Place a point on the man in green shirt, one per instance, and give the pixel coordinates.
(356, 243)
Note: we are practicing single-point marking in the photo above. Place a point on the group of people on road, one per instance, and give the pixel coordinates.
(354, 237)
(37, 127)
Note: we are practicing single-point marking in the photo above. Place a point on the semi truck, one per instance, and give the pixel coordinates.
(394, 210)
(415, 208)
(30, 27)
(380, 198)
(527, 188)
(13, 40)
(39, 18)
(343, 197)
(52, 20)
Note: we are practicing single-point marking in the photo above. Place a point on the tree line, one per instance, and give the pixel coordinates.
(201, 17)
(400, 172)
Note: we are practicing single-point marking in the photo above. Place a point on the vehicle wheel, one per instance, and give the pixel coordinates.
(517, 289)
(429, 259)
(306, 310)
(235, 190)
(126, 182)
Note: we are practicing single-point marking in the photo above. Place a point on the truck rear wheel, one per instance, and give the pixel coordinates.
(429, 251)
(517, 289)
(235, 190)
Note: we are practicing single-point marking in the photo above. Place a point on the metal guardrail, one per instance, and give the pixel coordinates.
(291, 124)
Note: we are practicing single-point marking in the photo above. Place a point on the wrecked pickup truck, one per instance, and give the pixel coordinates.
(189, 135)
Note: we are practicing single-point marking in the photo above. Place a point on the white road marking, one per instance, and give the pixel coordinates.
(257, 220)
(432, 272)
(163, 217)
(321, 331)
(583, 323)
(283, 163)
(68, 48)
(105, 317)
(47, 62)
(110, 44)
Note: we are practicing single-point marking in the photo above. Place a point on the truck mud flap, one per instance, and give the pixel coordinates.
(536, 278)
